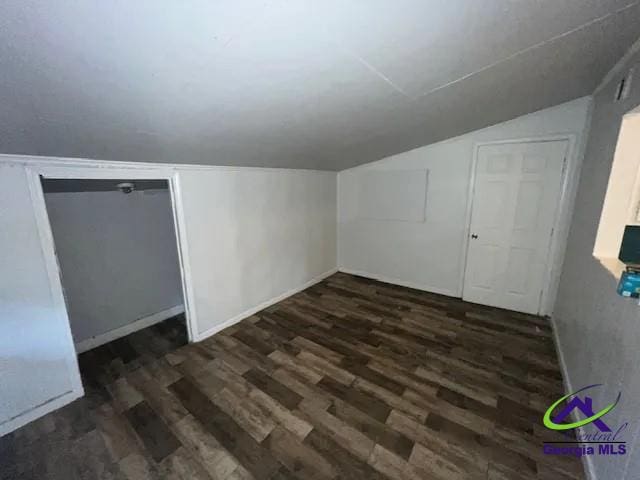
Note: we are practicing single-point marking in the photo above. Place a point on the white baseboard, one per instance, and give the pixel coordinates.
(247, 313)
(402, 283)
(39, 411)
(125, 330)
(587, 461)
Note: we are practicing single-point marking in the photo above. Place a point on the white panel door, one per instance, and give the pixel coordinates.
(515, 200)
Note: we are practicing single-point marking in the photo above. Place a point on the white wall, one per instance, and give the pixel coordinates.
(254, 235)
(118, 257)
(34, 337)
(598, 330)
(429, 255)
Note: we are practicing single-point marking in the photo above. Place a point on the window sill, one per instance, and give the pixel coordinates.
(613, 265)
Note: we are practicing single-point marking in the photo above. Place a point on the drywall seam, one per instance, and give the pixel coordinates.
(402, 283)
(378, 73)
(587, 460)
(125, 330)
(247, 313)
(528, 49)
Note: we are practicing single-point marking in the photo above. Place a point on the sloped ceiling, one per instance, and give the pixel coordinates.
(306, 84)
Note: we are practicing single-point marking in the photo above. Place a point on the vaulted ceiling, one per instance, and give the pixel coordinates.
(306, 84)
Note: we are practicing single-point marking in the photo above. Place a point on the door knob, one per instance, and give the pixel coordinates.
(474, 236)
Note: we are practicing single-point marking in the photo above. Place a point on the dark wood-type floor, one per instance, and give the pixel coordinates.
(349, 379)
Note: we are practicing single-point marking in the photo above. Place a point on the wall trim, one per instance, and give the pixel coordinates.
(180, 227)
(94, 170)
(58, 315)
(587, 461)
(107, 164)
(402, 283)
(247, 313)
(37, 167)
(125, 330)
(39, 411)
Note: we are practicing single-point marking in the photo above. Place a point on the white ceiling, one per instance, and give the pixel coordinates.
(306, 84)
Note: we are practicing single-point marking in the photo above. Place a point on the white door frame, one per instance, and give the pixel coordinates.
(562, 220)
(92, 169)
(99, 171)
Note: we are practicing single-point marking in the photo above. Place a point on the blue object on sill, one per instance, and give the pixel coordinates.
(629, 285)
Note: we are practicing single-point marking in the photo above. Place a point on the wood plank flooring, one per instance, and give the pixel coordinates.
(349, 379)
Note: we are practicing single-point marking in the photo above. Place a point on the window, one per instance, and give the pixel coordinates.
(622, 201)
